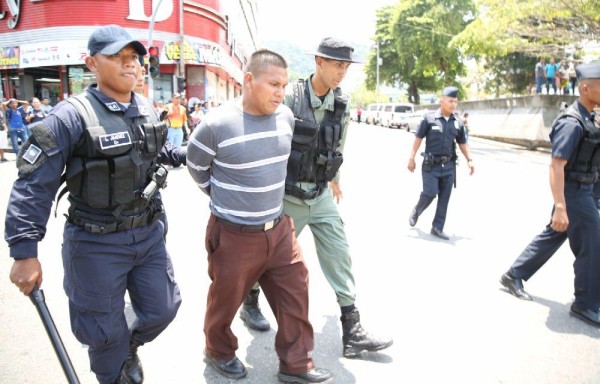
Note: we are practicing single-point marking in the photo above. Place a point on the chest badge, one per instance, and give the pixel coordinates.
(113, 140)
(113, 106)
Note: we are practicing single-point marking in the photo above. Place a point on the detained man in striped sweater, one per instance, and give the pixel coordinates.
(238, 156)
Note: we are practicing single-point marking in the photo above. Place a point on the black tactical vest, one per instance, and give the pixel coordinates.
(110, 167)
(584, 164)
(314, 156)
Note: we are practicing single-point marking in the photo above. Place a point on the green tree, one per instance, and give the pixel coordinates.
(509, 74)
(414, 38)
(533, 28)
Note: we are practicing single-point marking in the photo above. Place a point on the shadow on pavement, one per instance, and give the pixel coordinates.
(560, 320)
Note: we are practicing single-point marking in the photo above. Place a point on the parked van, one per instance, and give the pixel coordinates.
(394, 115)
(371, 113)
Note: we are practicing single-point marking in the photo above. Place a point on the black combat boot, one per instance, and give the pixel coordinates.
(251, 314)
(356, 339)
(422, 204)
(132, 372)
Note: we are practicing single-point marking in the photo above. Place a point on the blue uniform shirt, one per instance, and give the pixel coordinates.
(440, 133)
(32, 195)
(567, 133)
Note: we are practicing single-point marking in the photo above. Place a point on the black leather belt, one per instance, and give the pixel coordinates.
(252, 227)
(442, 159)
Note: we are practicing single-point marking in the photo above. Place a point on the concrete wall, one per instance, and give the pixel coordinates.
(523, 120)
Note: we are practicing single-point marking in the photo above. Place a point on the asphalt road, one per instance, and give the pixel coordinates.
(440, 300)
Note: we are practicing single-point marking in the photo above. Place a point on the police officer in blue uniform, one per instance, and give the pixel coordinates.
(440, 129)
(574, 181)
(109, 142)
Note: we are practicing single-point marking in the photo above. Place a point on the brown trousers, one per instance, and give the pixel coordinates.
(236, 260)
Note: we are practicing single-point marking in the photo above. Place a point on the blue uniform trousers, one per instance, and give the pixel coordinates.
(584, 239)
(439, 181)
(98, 270)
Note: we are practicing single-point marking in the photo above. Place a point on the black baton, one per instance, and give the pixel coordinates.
(37, 298)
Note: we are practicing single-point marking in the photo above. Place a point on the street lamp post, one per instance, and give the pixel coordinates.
(377, 73)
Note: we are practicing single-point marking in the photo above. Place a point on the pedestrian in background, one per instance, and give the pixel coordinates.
(441, 130)
(114, 238)
(177, 120)
(540, 75)
(551, 69)
(15, 118)
(46, 107)
(3, 138)
(573, 178)
(321, 111)
(197, 115)
(35, 112)
(573, 76)
(238, 157)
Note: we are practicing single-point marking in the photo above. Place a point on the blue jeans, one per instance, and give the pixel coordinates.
(175, 136)
(15, 134)
(539, 82)
(550, 80)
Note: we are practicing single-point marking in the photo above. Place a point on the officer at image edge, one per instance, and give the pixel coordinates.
(114, 233)
(575, 186)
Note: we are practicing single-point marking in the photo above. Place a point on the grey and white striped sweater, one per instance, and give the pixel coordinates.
(240, 161)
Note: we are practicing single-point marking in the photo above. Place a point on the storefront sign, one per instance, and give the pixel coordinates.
(9, 57)
(204, 54)
(53, 53)
(13, 14)
(137, 10)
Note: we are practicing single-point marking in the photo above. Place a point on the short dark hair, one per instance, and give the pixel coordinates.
(262, 58)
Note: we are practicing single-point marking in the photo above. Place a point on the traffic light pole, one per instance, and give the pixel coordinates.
(150, 30)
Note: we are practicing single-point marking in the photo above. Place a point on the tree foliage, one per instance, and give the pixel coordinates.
(414, 38)
(534, 27)
(425, 44)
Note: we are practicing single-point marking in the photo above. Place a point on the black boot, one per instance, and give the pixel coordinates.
(423, 203)
(132, 372)
(251, 314)
(356, 339)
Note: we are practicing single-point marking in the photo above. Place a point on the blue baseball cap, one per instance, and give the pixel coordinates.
(110, 39)
(450, 92)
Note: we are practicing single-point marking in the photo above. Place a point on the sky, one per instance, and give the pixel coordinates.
(306, 22)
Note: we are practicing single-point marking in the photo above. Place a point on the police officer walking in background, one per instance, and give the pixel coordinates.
(441, 129)
(109, 140)
(312, 184)
(573, 175)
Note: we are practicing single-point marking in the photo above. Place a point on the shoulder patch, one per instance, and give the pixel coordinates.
(31, 156)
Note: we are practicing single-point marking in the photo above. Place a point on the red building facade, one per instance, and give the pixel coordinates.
(43, 44)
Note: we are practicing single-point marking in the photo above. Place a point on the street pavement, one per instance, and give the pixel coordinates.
(440, 300)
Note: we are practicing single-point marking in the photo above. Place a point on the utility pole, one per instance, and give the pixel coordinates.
(181, 44)
(150, 30)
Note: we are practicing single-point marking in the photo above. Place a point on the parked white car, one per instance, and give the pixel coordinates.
(394, 115)
(412, 122)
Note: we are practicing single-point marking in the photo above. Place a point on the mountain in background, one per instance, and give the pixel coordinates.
(301, 65)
